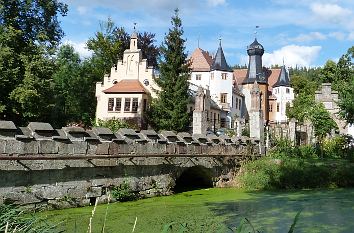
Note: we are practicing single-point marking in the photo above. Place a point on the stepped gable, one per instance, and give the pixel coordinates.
(126, 86)
(201, 60)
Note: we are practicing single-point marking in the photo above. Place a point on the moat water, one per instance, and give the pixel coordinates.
(219, 210)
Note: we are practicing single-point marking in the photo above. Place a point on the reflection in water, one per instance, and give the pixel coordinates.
(322, 211)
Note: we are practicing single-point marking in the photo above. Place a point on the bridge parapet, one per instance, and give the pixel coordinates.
(38, 139)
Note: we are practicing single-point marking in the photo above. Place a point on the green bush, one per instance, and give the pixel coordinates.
(295, 173)
(334, 147)
(123, 192)
(116, 124)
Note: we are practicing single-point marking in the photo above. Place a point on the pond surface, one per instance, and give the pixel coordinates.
(219, 210)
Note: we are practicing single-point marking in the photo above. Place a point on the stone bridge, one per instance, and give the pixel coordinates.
(44, 167)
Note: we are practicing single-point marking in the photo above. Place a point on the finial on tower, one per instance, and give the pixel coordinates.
(134, 26)
(255, 32)
(220, 40)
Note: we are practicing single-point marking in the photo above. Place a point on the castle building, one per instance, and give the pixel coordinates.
(215, 75)
(274, 85)
(126, 92)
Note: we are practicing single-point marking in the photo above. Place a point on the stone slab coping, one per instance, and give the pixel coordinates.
(119, 139)
(7, 125)
(91, 136)
(171, 137)
(131, 136)
(24, 133)
(125, 132)
(61, 136)
(187, 138)
(70, 130)
(226, 139)
(152, 136)
(40, 126)
(202, 139)
(236, 139)
(99, 131)
(213, 138)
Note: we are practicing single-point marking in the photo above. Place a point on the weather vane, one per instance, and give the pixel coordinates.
(255, 32)
(134, 26)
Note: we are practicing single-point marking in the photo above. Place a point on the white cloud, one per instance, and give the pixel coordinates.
(80, 48)
(293, 55)
(309, 37)
(330, 12)
(216, 2)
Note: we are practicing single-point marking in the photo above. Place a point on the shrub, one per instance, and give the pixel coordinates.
(334, 147)
(295, 173)
(123, 192)
(115, 124)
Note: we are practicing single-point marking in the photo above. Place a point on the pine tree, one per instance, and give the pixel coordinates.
(169, 110)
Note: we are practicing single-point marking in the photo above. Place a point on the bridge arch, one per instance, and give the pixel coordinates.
(192, 178)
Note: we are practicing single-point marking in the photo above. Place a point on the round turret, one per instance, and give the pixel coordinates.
(255, 49)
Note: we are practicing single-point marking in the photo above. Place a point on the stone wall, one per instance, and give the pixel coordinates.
(44, 167)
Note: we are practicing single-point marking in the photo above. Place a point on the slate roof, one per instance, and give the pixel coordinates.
(219, 62)
(126, 86)
(283, 79)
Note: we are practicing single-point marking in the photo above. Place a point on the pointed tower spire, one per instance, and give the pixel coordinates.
(283, 79)
(219, 62)
(134, 39)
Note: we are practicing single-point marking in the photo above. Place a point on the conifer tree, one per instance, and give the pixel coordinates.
(169, 110)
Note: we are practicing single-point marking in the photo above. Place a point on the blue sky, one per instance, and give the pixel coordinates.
(303, 32)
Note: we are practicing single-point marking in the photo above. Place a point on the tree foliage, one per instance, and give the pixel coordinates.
(29, 34)
(169, 111)
(345, 74)
(109, 44)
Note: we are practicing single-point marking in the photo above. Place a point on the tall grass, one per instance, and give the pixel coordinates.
(15, 219)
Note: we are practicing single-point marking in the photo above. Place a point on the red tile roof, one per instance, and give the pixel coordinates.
(201, 60)
(272, 75)
(126, 86)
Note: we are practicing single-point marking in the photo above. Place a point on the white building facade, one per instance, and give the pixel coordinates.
(284, 96)
(126, 92)
(215, 75)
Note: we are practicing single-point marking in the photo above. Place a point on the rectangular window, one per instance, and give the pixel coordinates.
(223, 97)
(212, 76)
(287, 90)
(135, 105)
(110, 104)
(236, 103)
(118, 104)
(239, 103)
(223, 76)
(127, 104)
(270, 107)
(278, 107)
(198, 77)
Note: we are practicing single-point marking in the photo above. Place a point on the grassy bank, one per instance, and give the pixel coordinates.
(271, 173)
